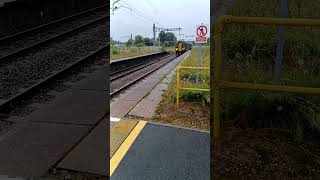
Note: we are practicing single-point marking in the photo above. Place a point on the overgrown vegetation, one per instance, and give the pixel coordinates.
(249, 54)
(193, 104)
(188, 77)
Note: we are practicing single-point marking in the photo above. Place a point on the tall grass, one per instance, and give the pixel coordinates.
(188, 77)
(249, 54)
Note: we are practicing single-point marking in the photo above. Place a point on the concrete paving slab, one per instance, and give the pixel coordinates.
(144, 86)
(30, 149)
(162, 152)
(162, 86)
(131, 97)
(120, 108)
(91, 155)
(151, 80)
(145, 108)
(89, 106)
(166, 80)
(155, 95)
(94, 81)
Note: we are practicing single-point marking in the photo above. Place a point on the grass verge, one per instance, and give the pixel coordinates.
(130, 51)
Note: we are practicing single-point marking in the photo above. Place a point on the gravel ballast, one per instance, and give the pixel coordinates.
(28, 70)
(8, 47)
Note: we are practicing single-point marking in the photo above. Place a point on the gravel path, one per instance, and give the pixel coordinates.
(28, 70)
(7, 47)
(114, 85)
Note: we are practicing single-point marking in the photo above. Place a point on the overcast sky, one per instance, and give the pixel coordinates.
(186, 14)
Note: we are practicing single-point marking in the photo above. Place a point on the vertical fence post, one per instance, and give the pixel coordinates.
(217, 85)
(280, 42)
(177, 88)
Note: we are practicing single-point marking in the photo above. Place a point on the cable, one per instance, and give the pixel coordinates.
(136, 11)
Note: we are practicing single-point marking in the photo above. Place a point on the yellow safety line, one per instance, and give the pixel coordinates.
(125, 146)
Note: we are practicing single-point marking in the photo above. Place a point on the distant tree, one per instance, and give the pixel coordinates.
(129, 42)
(170, 38)
(112, 42)
(147, 41)
(162, 37)
(138, 40)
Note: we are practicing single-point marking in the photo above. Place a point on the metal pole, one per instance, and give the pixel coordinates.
(216, 86)
(199, 63)
(280, 43)
(154, 35)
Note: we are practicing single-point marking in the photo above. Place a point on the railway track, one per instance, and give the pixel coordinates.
(28, 69)
(127, 77)
(123, 72)
(94, 57)
(16, 45)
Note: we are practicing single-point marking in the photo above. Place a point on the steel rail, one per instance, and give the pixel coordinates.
(141, 66)
(41, 27)
(6, 58)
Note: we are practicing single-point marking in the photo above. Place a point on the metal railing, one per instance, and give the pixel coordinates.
(178, 88)
(218, 84)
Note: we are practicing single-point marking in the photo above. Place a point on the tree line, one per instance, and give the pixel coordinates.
(165, 39)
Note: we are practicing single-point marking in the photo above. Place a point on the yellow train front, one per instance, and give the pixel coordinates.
(182, 47)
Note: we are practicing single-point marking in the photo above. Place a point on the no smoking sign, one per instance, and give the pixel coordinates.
(201, 32)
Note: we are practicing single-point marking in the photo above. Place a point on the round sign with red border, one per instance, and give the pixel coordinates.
(202, 31)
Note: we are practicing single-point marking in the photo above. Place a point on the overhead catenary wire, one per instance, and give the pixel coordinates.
(136, 11)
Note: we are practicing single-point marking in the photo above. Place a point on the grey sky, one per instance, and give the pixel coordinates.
(167, 13)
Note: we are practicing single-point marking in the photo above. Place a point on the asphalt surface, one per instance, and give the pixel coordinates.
(162, 152)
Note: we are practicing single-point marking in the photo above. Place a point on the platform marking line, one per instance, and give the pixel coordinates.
(114, 119)
(125, 146)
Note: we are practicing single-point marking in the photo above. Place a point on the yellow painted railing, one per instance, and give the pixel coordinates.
(218, 84)
(178, 88)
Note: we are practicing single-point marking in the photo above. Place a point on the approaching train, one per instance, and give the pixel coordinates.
(182, 47)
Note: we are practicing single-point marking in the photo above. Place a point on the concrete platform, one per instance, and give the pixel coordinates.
(147, 107)
(87, 97)
(30, 149)
(44, 137)
(94, 81)
(72, 107)
(91, 155)
(165, 152)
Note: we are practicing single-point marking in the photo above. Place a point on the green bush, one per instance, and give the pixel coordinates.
(296, 113)
(193, 96)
